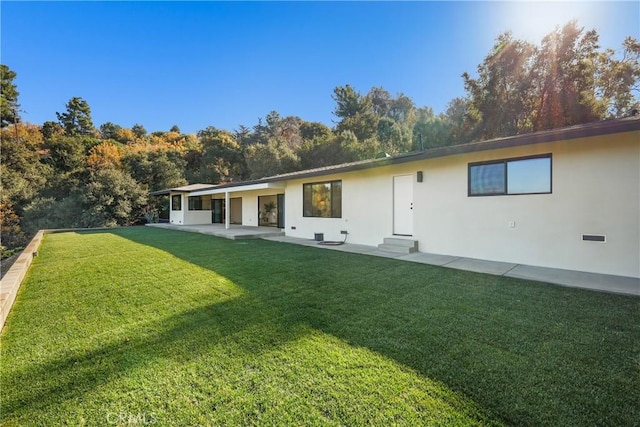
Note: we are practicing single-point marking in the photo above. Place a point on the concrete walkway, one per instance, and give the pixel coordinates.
(577, 279)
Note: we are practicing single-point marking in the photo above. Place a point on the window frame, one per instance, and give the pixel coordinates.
(505, 163)
(177, 197)
(201, 206)
(332, 190)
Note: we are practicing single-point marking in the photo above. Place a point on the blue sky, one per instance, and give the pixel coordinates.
(225, 64)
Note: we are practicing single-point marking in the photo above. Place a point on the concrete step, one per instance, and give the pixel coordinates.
(399, 246)
(396, 249)
(251, 236)
(398, 241)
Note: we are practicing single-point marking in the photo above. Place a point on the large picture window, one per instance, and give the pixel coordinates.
(176, 202)
(323, 199)
(527, 175)
(199, 203)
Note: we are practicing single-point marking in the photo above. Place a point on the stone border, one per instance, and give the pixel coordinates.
(6, 263)
(11, 281)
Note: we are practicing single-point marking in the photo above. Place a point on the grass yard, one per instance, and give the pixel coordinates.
(151, 326)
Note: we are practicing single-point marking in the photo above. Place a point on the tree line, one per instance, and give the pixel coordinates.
(70, 173)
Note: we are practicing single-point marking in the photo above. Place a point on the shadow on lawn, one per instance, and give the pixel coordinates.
(530, 352)
(182, 338)
(511, 346)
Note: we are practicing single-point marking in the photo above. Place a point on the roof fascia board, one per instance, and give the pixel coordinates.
(239, 187)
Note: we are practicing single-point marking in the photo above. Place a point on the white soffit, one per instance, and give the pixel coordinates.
(250, 187)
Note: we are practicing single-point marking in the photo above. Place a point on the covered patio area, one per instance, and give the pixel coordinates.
(233, 232)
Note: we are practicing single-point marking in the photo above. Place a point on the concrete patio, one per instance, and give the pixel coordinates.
(235, 232)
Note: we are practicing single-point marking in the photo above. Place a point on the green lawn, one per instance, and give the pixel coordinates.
(145, 325)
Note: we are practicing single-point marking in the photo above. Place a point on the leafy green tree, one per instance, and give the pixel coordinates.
(193, 159)
(51, 129)
(261, 133)
(76, 120)
(577, 83)
(222, 158)
(364, 126)
(402, 110)
(66, 157)
(282, 141)
(354, 149)
(139, 131)
(242, 135)
(323, 150)
(381, 100)
(355, 112)
(22, 177)
(270, 159)
(156, 170)
(8, 97)
(349, 102)
(565, 70)
(273, 120)
(390, 135)
(110, 130)
(460, 120)
(567, 80)
(21, 173)
(111, 197)
(501, 95)
(287, 130)
(49, 212)
(430, 131)
(273, 126)
(12, 235)
(312, 130)
(65, 154)
(619, 79)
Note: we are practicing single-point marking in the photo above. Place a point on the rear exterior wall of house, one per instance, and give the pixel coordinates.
(595, 191)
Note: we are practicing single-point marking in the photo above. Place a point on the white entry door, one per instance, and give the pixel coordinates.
(403, 205)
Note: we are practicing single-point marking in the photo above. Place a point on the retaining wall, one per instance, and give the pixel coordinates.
(11, 281)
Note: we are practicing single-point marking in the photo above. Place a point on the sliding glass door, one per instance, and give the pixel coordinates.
(217, 211)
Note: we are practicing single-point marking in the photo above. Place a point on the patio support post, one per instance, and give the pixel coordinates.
(227, 211)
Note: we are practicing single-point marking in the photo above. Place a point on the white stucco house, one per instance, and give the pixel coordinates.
(566, 198)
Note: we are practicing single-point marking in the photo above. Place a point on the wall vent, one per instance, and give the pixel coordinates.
(594, 238)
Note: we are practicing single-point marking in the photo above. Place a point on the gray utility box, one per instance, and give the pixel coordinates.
(319, 237)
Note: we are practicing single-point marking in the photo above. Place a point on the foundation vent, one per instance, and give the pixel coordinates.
(594, 238)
